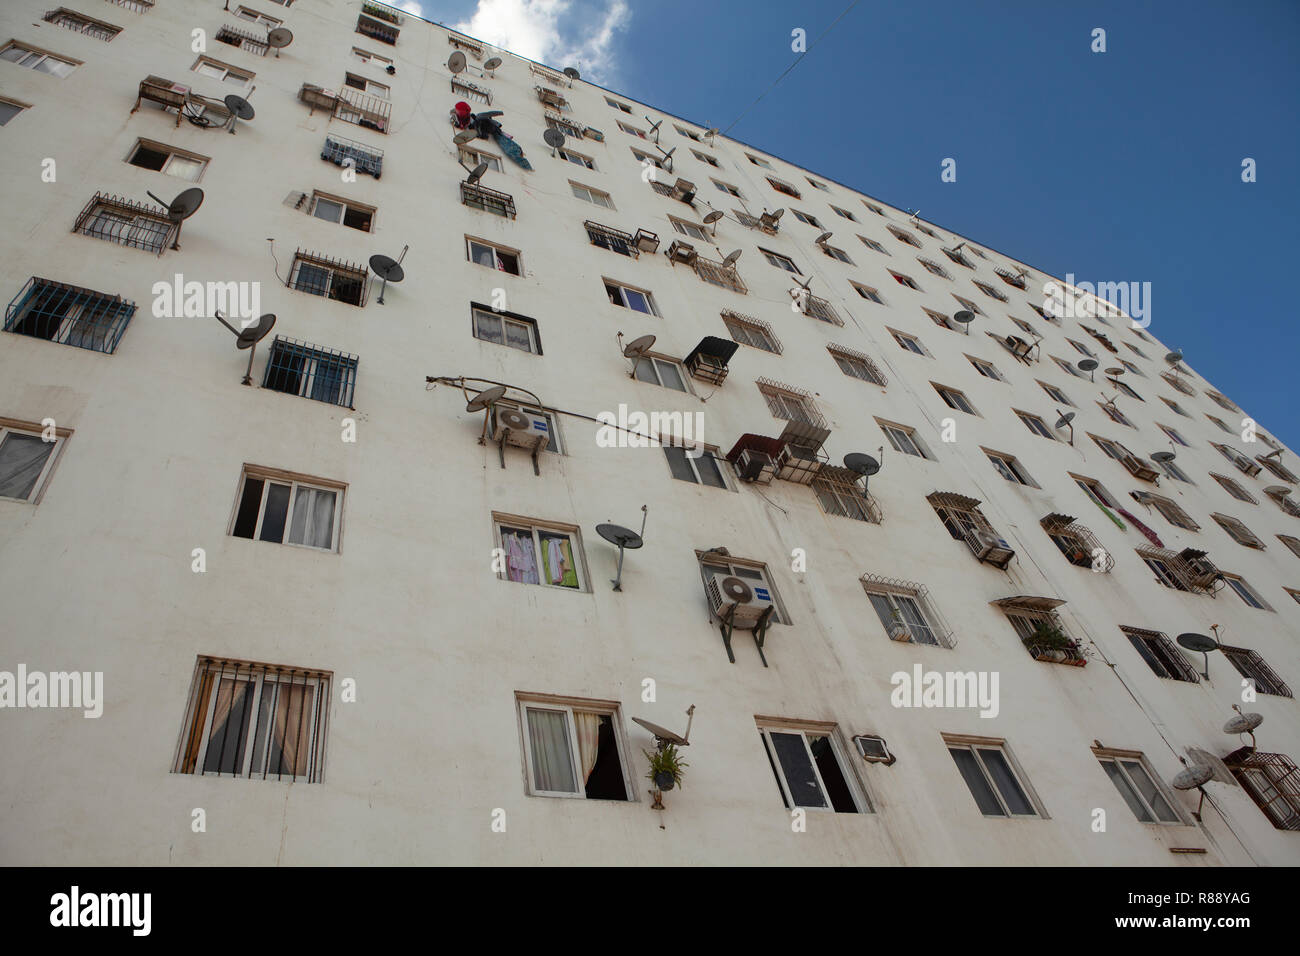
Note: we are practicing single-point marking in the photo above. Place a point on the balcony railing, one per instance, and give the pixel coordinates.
(245, 41)
(136, 6)
(477, 196)
(323, 375)
(69, 315)
(718, 274)
(126, 222)
(365, 159)
(377, 31)
(624, 243)
(818, 308)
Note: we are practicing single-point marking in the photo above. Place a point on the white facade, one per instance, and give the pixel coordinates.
(97, 573)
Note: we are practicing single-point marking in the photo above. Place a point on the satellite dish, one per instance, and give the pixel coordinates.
(247, 338)
(464, 136)
(964, 316)
(1116, 371)
(492, 63)
(181, 208)
(456, 62)
(489, 396)
(823, 238)
(1163, 456)
(1173, 358)
(571, 73)
(1199, 642)
(554, 138)
(1279, 490)
(388, 269)
(476, 173)
(1194, 777)
(664, 736)
(864, 465)
(279, 38)
(1088, 364)
(1065, 419)
(624, 538)
(639, 346)
(713, 216)
(730, 261)
(1243, 723)
(778, 213)
(239, 108)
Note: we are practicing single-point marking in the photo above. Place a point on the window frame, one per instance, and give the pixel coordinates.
(569, 706)
(41, 57)
(977, 744)
(1121, 759)
(623, 289)
(34, 430)
(830, 733)
(497, 250)
(591, 192)
(538, 528)
(530, 325)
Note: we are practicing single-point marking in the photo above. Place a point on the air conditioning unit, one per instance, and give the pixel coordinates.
(993, 550)
(646, 241)
(755, 466)
(682, 252)
(873, 749)
(1139, 468)
(898, 631)
(684, 190)
(749, 599)
(1244, 464)
(518, 427)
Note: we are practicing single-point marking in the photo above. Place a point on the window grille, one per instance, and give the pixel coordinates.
(377, 31)
(324, 375)
(478, 196)
(365, 159)
(80, 23)
(1273, 782)
(245, 41)
(126, 222)
(69, 315)
(614, 240)
(332, 278)
(718, 274)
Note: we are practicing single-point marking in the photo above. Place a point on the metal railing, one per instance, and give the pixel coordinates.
(244, 41)
(477, 196)
(324, 375)
(69, 315)
(377, 31)
(80, 23)
(718, 274)
(335, 279)
(126, 222)
(365, 159)
(624, 243)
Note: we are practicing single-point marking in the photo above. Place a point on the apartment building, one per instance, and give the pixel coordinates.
(345, 587)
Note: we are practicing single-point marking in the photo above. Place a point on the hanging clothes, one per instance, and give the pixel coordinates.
(1151, 535)
(558, 560)
(1107, 512)
(521, 560)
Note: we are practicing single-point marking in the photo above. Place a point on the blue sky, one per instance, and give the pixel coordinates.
(1115, 166)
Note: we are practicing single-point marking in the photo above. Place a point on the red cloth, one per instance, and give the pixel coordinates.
(1151, 535)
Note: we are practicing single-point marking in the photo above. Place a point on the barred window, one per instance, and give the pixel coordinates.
(324, 375)
(334, 279)
(362, 158)
(1251, 665)
(255, 721)
(79, 23)
(1161, 654)
(244, 41)
(1273, 782)
(752, 332)
(126, 223)
(838, 493)
(792, 404)
(69, 315)
(857, 365)
(478, 196)
(718, 274)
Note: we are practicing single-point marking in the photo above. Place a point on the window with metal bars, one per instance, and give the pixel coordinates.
(905, 611)
(324, 375)
(792, 405)
(717, 274)
(245, 41)
(477, 196)
(69, 315)
(126, 223)
(839, 494)
(471, 92)
(857, 365)
(1238, 532)
(1273, 782)
(752, 332)
(71, 20)
(1079, 545)
(1251, 665)
(377, 31)
(612, 239)
(334, 279)
(818, 308)
(362, 158)
(136, 6)
(1161, 655)
(255, 720)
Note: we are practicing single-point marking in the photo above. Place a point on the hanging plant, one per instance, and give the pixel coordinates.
(666, 767)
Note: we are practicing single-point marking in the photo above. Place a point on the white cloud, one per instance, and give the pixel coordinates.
(409, 6)
(557, 32)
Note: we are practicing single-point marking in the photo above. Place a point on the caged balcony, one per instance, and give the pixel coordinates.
(478, 196)
(363, 158)
(127, 223)
(965, 522)
(708, 360)
(245, 41)
(1040, 629)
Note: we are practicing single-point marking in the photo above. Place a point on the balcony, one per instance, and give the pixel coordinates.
(372, 112)
(363, 158)
(606, 237)
(478, 196)
(376, 30)
(1079, 545)
(551, 98)
(1040, 630)
(245, 41)
(127, 223)
(718, 274)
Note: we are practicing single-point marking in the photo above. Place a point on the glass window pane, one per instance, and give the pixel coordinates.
(979, 786)
(327, 210)
(645, 371)
(558, 565)
(313, 518)
(548, 740)
(184, 168)
(1126, 791)
(518, 336)
(678, 464)
(710, 473)
(995, 762)
(277, 511)
(13, 54)
(1150, 792)
(637, 300)
(800, 777)
(232, 709)
(249, 504)
(669, 376)
(22, 459)
(837, 788)
(488, 327)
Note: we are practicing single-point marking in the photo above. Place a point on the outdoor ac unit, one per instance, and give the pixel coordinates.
(1251, 468)
(519, 427)
(755, 466)
(749, 599)
(898, 631)
(994, 550)
(646, 241)
(682, 252)
(683, 188)
(873, 749)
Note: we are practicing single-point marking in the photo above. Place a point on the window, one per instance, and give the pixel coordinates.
(242, 40)
(1238, 532)
(125, 223)
(934, 268)
(1280, 495)
(369, 87)
(1275, 466)
(78, 23)
(782, 186)
(780, 261)
(904, 611)
(288, 508)
(991, 776)
(989, 291)
(1161, 654)
(643, 157)
(1079, 545)
(1141, 790)
(752, 332)
(1081, 348)
(842, 213)
(1163, 569)
(836, 253)
(838, 493)
(856, 364)
(868, 293)
(573, 748)
(577, 159)
(1018, 323)
(493, 256)
(905, 280)
(954, 399)
(1218, 421)
(1114, 414)
(37, 60)
(1273, 782)
(806, 218)
(631, 130)
(987, 369)
(808, 766)
(1041, 632)
(69, 315)
(876, 209)
(256, 721)
(1132, 368)
(1292, 543)
(660, 371)
(324, 375)
(1126, 390)
(902, 236)
(689, 229)
(560, 548)
(816, 185)
(594, 196)
(1174, 406)
(1056, 394)
(206, 66)
(27, 459)
(794, 405)
(1173, 434)
(244, 13)
(1248, 594)
(618, 106)
(758, 161)
(1009, 467)
(629, 298)
(1035, 424)
(689, 134)
(907, 342)
(904, 439)
(1250, 665)
(1221, 400)
(1170, 510)
(9, 109)
(1177, 382)
(703, 470)
(365, 56)
(956, 256)
(1093, 489)
(473, 157)
(565, 126)
(376, 30)
(502, 328)
(1295, 594)
(167, 159)
(478, 196)
(335, 209)
(317, 275)
(614, 240)
(704, 158)
(726, 188)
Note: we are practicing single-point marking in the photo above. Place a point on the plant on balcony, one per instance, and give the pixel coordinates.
(374, 10)
(1049, 642)
(666, 767)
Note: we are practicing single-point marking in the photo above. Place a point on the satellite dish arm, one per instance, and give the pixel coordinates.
(690, 716)
(233, 330)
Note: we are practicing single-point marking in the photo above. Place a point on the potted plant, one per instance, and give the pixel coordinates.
(1049, 642)
(666, 767)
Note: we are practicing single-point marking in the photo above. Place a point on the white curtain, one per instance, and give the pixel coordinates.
(313, 518)
(548, 739)
(588, 726)
(21, 459)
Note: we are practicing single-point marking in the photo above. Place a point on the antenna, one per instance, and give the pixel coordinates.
(553, 138)
(1089, 365)
(668, 156)
(1243, 723)
(864, 465)
(278, 39)
(711, 219)
(730, 261)
(239, 108)
(711, 132)
(1064, 421)
(654, 128)
(572, 74)
(247, 338)
(456, 63)
(491, 64)
(916, 213)
(624, 538)
(1201, 643)
(388, 269)
(964, 317)
(181, 208)
(1109, 402)
(823, 239)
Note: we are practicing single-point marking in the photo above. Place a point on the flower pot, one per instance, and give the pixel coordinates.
(664, 780)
